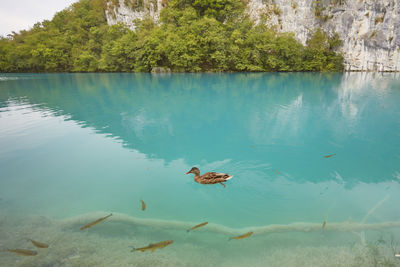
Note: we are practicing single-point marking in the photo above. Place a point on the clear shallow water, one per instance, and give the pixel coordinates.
(73, 144)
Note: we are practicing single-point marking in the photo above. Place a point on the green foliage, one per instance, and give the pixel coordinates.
(192, 36)
(71, 41)
(277, 10)
(6, 53)
(320, 53)
(337, 2)
(133, 3)
(319, 8)
(379, 19)
(221, 10)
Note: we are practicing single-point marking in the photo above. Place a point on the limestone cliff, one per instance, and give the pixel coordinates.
(128, 11)
(370, 29)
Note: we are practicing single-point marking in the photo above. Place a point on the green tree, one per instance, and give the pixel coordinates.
(320, 53)
(192, 36)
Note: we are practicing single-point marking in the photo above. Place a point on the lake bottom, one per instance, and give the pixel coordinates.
(110, 243)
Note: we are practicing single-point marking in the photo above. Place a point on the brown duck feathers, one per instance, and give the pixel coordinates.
(209, 177)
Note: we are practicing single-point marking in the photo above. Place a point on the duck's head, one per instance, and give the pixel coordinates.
(194, 170)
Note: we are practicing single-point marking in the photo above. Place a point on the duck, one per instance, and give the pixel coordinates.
(210, 177)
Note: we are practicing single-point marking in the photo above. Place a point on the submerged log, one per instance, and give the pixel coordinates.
(221, 229)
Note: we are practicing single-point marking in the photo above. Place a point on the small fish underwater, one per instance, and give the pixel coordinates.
(38, 244)
(328, 156)
(143, 205)
(197, 226)
(323, 225)
(24, 252)
(95, 222)
(242, 236)
(153, 247)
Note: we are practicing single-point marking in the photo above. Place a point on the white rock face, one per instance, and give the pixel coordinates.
(127, 15)
(370, 29)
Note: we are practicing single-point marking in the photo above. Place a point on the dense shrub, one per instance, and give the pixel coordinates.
(192, 36)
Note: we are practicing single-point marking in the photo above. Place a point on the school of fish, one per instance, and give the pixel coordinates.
(95, 222)
(246, 235)
(143, 205)
(28, 252)
(38, 244)
(151, 247)
(197, 226)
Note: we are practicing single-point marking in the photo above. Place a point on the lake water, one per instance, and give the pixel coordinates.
(77, 147)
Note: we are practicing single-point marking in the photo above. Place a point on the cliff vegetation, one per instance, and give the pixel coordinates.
(192, 36)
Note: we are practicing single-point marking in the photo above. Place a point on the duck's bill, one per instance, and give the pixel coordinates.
(187, 172)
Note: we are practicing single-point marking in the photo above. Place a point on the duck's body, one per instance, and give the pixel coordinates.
(209, 177)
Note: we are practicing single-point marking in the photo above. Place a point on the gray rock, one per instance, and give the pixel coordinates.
(161, 70)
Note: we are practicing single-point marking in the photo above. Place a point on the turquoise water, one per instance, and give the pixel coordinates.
(76, 144)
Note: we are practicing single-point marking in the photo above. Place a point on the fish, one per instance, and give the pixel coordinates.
(143, 205)
(197, 226)
(397, 255)
(323, 225)
(276, 171)
(242, 236)
(328, 156)
(24, 252)
(39, 244)
(95, 222)
(155, 246)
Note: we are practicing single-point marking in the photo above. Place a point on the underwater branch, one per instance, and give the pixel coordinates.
(346, 226)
